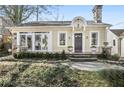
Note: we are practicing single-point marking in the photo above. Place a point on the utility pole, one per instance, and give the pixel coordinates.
(37, 13)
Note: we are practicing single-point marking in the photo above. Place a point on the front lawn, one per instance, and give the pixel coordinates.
(55, 75)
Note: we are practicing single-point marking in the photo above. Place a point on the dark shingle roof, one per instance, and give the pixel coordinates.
(47, 23)
(117, 32)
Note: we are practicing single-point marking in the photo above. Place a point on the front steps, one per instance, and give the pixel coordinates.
(79, 57)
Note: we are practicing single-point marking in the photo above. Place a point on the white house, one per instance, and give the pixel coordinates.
(115, 38)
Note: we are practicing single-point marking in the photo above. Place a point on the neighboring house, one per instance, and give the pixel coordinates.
(116, 41)
(4, 31)
(55, 36)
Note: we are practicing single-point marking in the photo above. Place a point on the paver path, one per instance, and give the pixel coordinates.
(92, 66)
(6, 57)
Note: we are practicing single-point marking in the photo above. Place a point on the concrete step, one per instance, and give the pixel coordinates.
(82, 59)
(81, 56)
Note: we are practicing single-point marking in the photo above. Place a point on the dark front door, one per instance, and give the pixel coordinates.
(78, 42)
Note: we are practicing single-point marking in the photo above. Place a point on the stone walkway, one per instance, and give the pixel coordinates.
(92, 66)
(6, 57)
(89, 66)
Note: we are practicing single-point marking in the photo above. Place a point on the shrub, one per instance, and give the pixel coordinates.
(1, 46)
(38, 55)
(51, 56)
(5, 82)
(114, 77)
(56, 56)
(15, 55)
(115, 57)
(105, 54)
(63, 55)
(47, 55)
(59, 76)
(48, 76)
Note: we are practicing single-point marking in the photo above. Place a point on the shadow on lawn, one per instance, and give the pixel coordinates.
(114, 77)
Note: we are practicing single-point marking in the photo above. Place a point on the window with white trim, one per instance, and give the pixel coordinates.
(94, 38)
(41, 41)
(62, 39)
(23, 40)
(26, 40)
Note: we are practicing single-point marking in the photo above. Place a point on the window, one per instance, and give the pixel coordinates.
(94, 38)
(26, 41)
(23, 40)
(37, 42)
(29, 42)
(41, 41)
(114, 43)
(44, 42)
(62, 39)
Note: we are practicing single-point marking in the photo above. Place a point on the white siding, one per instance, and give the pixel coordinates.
(110, 37)
(122, 48)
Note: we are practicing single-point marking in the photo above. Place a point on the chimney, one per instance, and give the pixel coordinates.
(97, 13)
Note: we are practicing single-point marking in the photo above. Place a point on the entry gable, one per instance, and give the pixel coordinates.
(78, 23)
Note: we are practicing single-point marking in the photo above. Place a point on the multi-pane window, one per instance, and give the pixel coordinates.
(62, 39)
(37, 42)
(94, 38)
(41, 41)
(23, 40)
(29, 42)
(26, 41)
(34, 41)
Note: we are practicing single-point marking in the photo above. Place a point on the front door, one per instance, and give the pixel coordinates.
(78, 42)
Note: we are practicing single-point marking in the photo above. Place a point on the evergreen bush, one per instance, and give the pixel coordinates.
(115, 57)
(41, 55)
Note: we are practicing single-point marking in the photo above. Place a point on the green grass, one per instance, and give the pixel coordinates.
(51, 75)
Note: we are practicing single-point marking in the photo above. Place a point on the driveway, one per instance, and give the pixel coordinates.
(92, 66)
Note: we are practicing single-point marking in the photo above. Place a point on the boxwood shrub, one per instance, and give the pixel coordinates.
(41, 55)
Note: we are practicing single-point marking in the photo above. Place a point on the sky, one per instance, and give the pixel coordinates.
(112, 14)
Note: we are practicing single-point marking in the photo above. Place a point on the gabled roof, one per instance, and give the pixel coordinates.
(57, 23)
(46, 23)
(118, 32)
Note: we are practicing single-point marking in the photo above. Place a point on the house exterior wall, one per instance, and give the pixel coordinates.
(70, 33)
(102, 37)
(122, 48)
(110, 37)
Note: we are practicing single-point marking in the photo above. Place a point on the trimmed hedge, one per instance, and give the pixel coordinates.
(41, 55)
